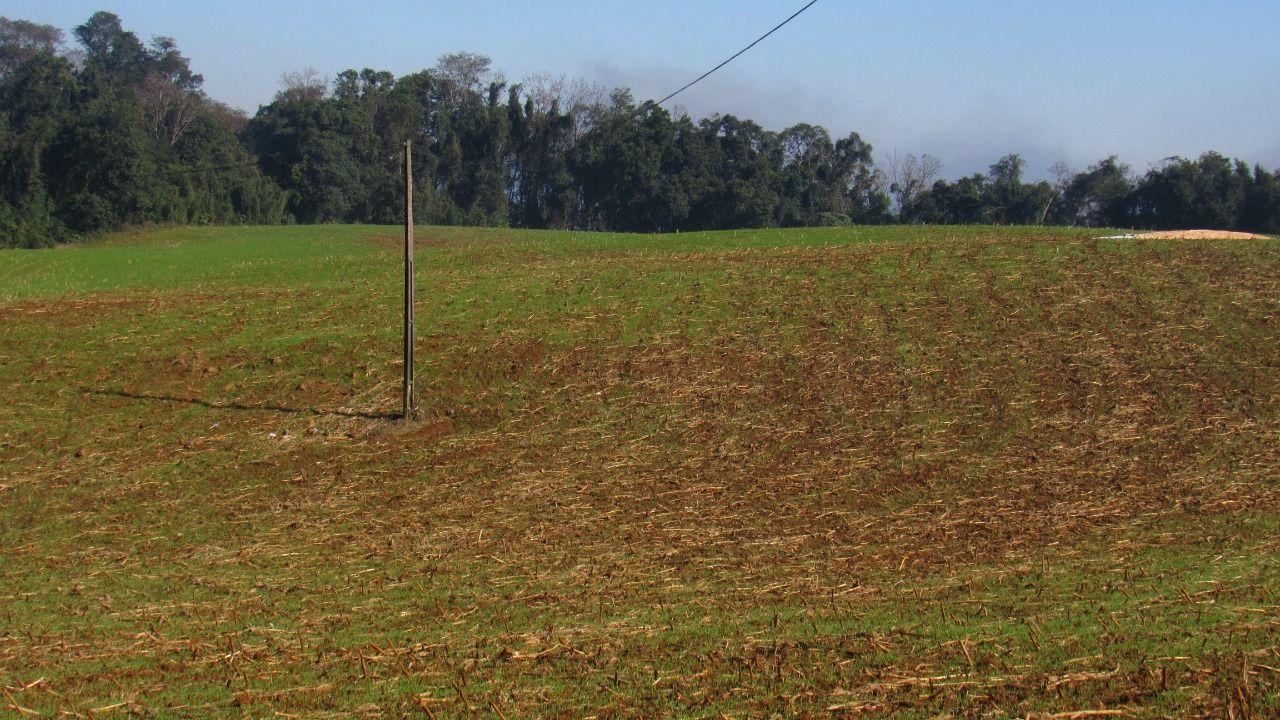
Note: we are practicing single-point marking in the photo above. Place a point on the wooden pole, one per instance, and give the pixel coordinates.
(408, 281)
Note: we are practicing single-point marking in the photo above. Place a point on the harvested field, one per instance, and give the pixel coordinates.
(863, 472)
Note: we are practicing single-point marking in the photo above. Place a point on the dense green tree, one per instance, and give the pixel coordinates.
(126, 136)
(22, 40)
(1261, 209)
(746, 184)
(1210, 192)
(112, 50)
(620, 167)
(542, 191)
(34, 106)
(1100, 196)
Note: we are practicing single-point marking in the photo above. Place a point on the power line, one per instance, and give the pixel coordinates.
(735, 55)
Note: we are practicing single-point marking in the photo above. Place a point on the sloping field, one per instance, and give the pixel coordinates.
(854, 473)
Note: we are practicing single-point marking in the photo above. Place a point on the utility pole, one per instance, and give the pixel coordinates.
(408, 281)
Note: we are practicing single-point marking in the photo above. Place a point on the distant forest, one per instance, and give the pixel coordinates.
(112, 131)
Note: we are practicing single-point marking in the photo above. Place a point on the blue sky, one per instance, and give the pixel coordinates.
(964, 81)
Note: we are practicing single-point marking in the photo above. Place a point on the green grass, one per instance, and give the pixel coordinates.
(915, 472)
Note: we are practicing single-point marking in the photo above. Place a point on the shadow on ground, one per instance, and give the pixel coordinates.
(261, 407)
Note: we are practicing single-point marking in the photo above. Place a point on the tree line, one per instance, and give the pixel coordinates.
(114, 131)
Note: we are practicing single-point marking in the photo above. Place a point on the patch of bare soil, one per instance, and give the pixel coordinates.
(1200, 235)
